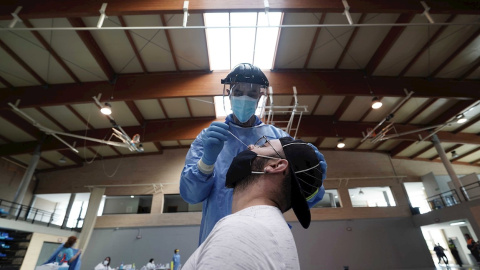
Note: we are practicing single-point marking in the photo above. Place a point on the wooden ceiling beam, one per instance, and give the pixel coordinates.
(71, 155)
(448, 150)
(5, 82)
(387, 43)
(349, 42)
(475, 161)
(169, 40)
(132, 44)
(466, 154)
(426, 46)
(343, 107)
(22, 63)
(369, 110)
(438, 161)
(115, 150)
(52, 52)
(455, 54)
(453, 111)
(469, 123)
(94, 49)
(474, 67)
(190, 84)
(135, 111)
(314, 40)
(399, 148)
(425, 149)
(70, 8)
(420, 109)
(21, 123)
(159, 147)
(189, 128)
(319, 141)
(80, 117)
(49, 117)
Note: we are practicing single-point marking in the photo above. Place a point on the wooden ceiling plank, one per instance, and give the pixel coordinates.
(159, 147)
(49, 162)
(5, 82)
(466, 125)
(475, 161)
(425, 149)
(135, 111)
(399, 148)
(79, 116)
(22, 63)
(52, 52)
(448, 150)
(163, 108)
(455, 110)
(132, 44)
(465, 154)
(169, 40)
(370, 109)
(51, 118)
(314, 40)
(20, 123)
(350, 40)
(93, 47)
(316, 104)
(426, 46)
(343, 107)
(474, 67)
(50, 8)
(71, 155)
(455, 54)
(387, 43)
(189, 84)
(420, 109)
(189, 107)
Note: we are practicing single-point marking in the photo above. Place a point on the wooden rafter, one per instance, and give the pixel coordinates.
(189, 107)
(22, 63)
(132, 44)
(378, 144)
(93, 47)
(80, 117)
(426, 46)
(135, 111)
(5, 82)
(159, 147)
(169, 40)
(316, 104)
(466, 154)
(474, 67)
(343, 107)
(399, 148)
(455, 54)
(116, 150)
(163, 108)
(448, 150)
(20, 123)
(49, 117)
(475, 161)
(71, 155)
(425, 149)
(387, 43)
(453, 111)
(469, 123)
(49, 162)
(319, 141)
(420, 109)
(314, 40)
(350, 40)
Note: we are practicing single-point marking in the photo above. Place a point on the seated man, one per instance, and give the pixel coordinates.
(267, 181)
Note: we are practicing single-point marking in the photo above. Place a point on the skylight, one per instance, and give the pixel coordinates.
(229, 47)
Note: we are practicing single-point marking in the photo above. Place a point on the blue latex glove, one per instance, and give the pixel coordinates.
(213, 142)
(323, 163)
(323, 167)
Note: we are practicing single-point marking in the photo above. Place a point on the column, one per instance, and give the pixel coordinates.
(157, 203)
(332, 200)
(90, 217)
(344, 197)
(67, 212)
(385, 195)
(448, 166)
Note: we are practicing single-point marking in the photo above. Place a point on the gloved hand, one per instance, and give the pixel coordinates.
(323, 167)
(213, 141)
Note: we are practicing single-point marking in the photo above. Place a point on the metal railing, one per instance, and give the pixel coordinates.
(12, 210)
(471, 191)
(444, 199)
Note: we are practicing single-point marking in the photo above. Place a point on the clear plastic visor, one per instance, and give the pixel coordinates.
(252, 90)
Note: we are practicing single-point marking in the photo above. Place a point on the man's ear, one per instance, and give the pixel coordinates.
(276, 166)
(228, 92)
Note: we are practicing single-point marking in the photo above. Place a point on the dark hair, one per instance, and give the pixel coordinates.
(257, 165)
(151, 260)
(109, 260)
(70, 241)
(176, 250)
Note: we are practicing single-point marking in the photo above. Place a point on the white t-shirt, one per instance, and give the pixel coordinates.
(256, 237)
(100, 266)
(150, 266)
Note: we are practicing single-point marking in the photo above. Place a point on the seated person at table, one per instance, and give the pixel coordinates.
(105, 265)
(150, 265)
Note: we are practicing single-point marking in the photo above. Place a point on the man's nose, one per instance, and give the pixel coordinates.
(251, 147)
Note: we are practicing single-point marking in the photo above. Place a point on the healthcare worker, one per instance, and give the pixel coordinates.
(176, 259)
(210, 155)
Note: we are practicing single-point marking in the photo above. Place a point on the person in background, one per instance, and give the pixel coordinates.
(176, 259)
(267, 181)
(150, 265)
(473, 247)
(210, 155)
(454, 251)
(105, 265)
(440, 254)
(65, 253)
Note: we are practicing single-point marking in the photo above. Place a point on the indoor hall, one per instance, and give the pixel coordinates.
(388, 92)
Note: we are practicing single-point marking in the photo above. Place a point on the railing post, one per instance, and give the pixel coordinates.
(19, 212)
(34, 216)
(50, 220)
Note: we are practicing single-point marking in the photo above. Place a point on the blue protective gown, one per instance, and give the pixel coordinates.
(75, 265)
(176, 261)
(196, 187)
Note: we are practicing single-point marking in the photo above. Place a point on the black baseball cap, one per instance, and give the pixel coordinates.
(305, 174)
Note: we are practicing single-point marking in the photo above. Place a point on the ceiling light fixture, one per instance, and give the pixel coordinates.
(457, 223)
(454, 154)
(360, 192)
(461, 118)
(107, 109)
(131, 196)
(340, 144)
(376, 103)
(62, 160)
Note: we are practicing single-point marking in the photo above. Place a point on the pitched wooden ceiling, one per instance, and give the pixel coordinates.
(163, 87)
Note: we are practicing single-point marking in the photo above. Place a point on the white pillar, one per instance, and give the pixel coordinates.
(90, 217)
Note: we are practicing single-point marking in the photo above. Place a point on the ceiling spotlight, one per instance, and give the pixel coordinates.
(461, 119)
(340, 144)
(62, 160)
(107, 109)
(454, 154)
(360, 192)
(131, 196)
(376, 103)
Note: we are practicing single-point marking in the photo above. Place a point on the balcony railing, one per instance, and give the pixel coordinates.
(33, 215)
(449, 198)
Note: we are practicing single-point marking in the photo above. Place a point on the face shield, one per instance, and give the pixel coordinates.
(244, 99)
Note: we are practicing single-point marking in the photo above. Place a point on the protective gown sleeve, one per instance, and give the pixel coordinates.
(195, 186)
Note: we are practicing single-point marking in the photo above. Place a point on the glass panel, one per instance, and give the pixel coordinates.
(127, 204)
(174, 203)
(218, 40)
(417, 196)
(330, 200)
(266, 40)
(242, 39)
(371, 197)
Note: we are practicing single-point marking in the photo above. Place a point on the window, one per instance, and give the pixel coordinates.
(371, 197)
(127, 204)
(174, 203)
(330, 200)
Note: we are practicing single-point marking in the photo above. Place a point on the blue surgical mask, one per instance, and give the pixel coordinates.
(243, 107)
